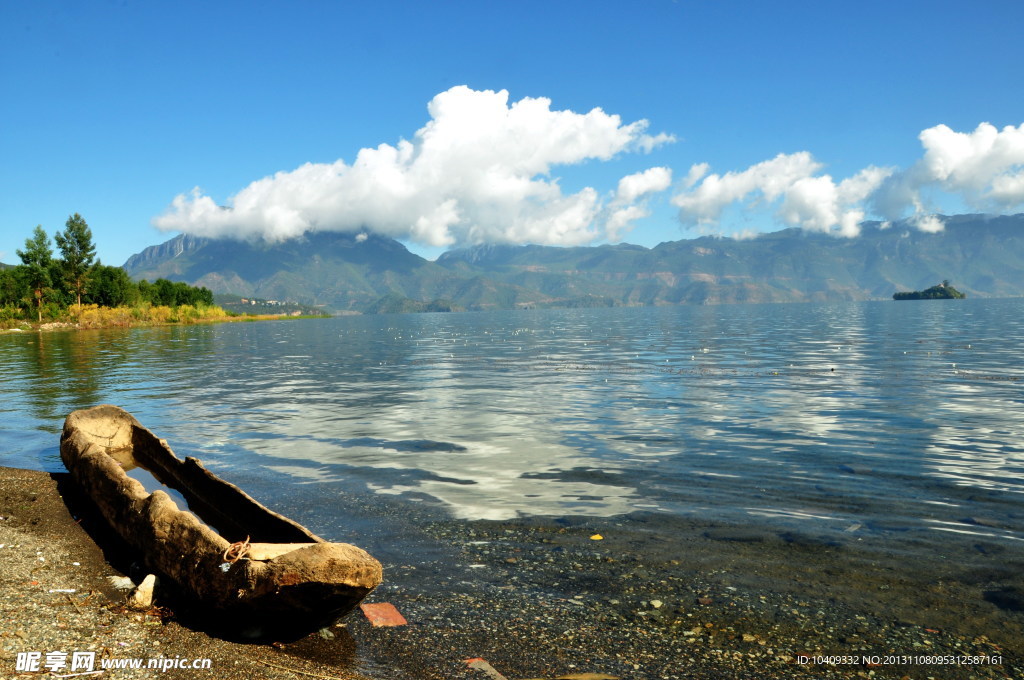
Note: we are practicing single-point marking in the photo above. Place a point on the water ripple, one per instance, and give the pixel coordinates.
(836, 415)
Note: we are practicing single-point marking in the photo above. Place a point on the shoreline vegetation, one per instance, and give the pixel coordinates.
(90, 317)
(77, 291)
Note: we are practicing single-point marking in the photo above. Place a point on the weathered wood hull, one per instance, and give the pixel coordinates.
(289, 578)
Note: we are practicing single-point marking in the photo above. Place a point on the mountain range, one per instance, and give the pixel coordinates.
(982, 255)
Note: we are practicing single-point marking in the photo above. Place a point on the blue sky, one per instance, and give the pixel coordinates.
(117, 110)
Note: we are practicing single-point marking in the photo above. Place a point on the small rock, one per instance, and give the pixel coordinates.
(488, 669)
(121, 582)
(142, 597)
(656, 604)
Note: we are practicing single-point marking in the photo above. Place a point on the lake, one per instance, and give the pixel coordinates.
(882, 428)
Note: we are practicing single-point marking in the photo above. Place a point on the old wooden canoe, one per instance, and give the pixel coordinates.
(286, 577)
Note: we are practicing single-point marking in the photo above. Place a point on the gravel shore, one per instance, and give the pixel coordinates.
(536, 599)
(57, 596)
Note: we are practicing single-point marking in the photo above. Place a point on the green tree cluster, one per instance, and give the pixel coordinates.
(174, 293)
(44, 285)
(942, 291)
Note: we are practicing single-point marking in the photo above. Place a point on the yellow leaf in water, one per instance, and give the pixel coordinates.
(596, 537)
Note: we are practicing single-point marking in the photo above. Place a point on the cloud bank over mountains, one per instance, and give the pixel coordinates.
(985, 168)
(480, 171)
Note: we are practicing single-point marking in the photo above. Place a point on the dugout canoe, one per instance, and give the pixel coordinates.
(257, 568)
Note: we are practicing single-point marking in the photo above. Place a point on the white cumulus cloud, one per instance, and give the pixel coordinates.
(703, 203)
(985, 168)
(984, 165)
(478, 171)
(629, 202)
(652, 180)
(814, 202)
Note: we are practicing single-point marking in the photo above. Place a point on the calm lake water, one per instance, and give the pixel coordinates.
(899, 421)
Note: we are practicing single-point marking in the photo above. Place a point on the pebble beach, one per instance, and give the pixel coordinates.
(549, 599)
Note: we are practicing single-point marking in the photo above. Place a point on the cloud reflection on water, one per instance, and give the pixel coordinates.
(591, 412)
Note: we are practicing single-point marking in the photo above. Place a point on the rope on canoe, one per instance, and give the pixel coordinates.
(237, 551)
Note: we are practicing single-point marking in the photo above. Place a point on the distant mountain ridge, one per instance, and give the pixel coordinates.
(341, 271)
(165, 251)
(982, 255)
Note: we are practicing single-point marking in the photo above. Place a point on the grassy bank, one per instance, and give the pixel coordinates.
(146, 314)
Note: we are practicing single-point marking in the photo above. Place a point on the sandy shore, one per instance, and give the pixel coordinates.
(538, 599)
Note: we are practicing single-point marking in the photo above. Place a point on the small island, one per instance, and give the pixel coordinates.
(943, 291)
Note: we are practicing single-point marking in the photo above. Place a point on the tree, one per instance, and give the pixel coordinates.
(174, 293)
(11, 286)
(111, 286)
(36, 258)
(77, 253)
(164, 293)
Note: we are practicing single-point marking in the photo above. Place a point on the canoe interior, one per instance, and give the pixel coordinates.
(220, 504)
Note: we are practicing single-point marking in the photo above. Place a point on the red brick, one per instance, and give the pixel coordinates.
(383, 614)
